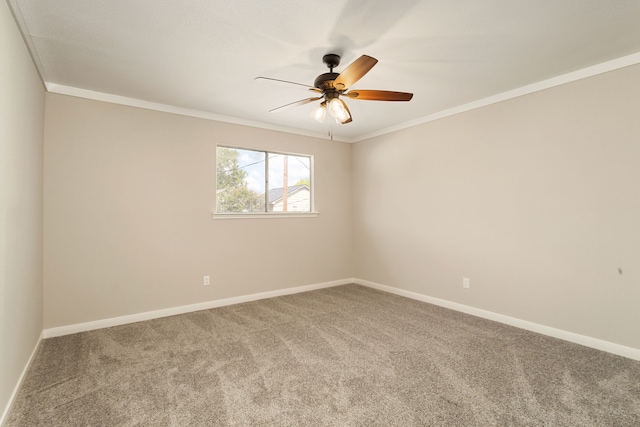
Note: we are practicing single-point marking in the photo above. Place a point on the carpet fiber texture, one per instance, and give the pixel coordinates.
(343, 356)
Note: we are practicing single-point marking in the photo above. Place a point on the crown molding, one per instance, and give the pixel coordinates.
(584, 73)
(166, 108)
(14, 8)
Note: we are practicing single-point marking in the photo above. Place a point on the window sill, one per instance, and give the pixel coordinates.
(261, 215)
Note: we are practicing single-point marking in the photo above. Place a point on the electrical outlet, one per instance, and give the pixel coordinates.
(465, 283)
(206, 280)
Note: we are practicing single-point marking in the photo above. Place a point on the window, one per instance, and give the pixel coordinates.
(250, 181)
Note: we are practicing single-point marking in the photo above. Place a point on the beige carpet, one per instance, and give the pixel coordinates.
(344, 356)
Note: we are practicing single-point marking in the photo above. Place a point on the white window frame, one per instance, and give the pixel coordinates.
(256, 215)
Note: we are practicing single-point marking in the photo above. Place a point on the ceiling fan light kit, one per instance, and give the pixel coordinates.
(331, 85)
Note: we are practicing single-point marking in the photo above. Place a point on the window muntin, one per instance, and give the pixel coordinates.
(252, 181)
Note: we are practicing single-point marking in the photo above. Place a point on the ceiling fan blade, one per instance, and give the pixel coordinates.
(379, 95)
(293, 104)
(269, 79)
(354, 72)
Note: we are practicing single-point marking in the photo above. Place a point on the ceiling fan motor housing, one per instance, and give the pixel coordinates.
(325, 81)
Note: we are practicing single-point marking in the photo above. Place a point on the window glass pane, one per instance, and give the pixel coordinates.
(289, 183)
(240, 180)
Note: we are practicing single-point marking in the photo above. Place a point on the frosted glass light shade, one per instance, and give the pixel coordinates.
(338, 110)
(319, 112)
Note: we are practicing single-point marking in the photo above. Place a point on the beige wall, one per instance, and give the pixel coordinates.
(536, 200)
(128, 200)
(21, 134)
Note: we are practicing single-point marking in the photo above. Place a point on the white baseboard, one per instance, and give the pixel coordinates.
(139, 317)
(16, 389)
(620, 350)
(609, 347)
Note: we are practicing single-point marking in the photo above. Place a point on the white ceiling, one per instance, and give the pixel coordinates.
(203, 55)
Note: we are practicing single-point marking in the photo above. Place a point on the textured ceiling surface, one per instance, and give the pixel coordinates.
(203, 55)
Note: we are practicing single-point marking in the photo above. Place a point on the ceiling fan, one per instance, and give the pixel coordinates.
(330, 86)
